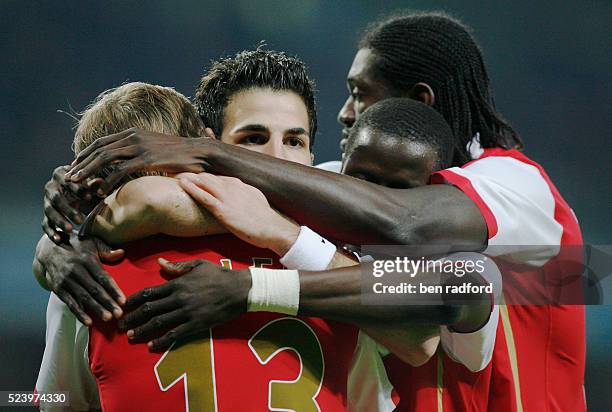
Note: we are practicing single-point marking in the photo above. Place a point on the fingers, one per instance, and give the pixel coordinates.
(103, 141)
(59, 197)
(60, 202)
(147, 312)
(156, 327)
(108, 254)
(86, 301)
(180, 332)
(199, 194)
(54, 218)
(104, 288)
(119, 171)
(102, 158)
(178, 268)
(92, 286)
(208, 132)
(94, 185)
(50, 232)
(74, 190)
(74, 307)
(148, 294)
(212, 183)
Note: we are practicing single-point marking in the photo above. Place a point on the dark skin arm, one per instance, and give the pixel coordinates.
(72, 267)
(205, 295)
(73, 271)
(339, 207)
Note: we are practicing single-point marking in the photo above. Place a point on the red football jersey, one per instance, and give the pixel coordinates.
(539, 357)
(256, 362)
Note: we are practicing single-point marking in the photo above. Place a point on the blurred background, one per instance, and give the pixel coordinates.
(549, 63)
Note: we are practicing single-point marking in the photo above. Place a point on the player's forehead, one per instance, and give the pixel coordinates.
(276, 110)
(373, 146)
(361, 70)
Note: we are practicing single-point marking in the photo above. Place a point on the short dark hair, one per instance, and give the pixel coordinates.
(439, 50)
(408, 119)
(249, 69)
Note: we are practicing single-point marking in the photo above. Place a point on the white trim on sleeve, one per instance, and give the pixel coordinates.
(474, 350)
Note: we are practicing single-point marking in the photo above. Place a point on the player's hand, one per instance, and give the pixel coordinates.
(63, 202)
(203, 296)
(242, 209)
(74, 272)
(133, 150)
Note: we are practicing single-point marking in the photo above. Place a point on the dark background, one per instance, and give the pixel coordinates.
(549, 63)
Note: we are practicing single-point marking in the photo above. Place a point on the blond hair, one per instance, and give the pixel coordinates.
(142, 105)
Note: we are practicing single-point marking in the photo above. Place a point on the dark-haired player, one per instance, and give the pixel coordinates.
(398, 143)
(420, 138)
(494, 195)
(259, 360)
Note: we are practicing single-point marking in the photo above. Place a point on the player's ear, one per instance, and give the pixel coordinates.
(423, 93)
(311, 158)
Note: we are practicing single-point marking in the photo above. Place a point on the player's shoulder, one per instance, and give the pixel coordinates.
(503, 161)
(509, 169)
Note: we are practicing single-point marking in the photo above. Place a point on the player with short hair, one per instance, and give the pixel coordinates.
(420, 138)
(494, 196)
(249, 366)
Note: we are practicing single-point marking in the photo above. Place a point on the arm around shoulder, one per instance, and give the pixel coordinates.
(152, 205)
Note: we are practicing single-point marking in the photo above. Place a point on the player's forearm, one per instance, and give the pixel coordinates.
(152, 205)
(116, 227)
(337, 294)
(352, 210)
(414, 345)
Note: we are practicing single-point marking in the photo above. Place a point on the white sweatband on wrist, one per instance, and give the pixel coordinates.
(274, 290)
(309, 252)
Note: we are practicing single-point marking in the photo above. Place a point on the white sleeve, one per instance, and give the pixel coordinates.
(331, 166)
(309, 252)
(516, 202)
(65, 363)
(474, 350)
(369, 388)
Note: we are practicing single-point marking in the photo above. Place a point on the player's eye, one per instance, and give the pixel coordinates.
(253, 139)
(356, 94)
(295, 141)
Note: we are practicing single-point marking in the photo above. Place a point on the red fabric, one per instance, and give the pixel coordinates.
(550, 341)
(462, 390)
(466, 187)
(126, 375)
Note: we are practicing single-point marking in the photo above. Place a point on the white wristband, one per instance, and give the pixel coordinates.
(309, 252)
(274, 290)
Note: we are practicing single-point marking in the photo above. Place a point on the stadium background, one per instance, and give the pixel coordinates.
(549, 64)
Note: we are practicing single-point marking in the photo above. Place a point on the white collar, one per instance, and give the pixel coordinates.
(474, 147)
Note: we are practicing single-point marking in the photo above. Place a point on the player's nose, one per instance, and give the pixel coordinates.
(274, 148)
(346, 115)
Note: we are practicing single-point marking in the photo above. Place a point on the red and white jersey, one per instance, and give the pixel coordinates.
(379, 380)
(539, 358)
(256, 362)
(460, 369)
